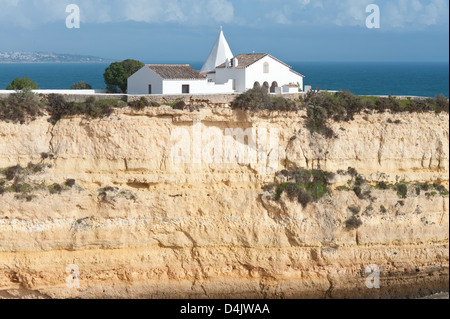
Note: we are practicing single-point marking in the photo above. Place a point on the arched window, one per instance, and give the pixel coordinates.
(273, 88)
(256, 85)
(266, 67)
(266, 87)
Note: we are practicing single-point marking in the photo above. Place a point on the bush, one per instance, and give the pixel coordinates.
(304, 198)
(402, 190)
(359, 180)
(55, 189)
(59, 108)
(309, 185)
(387, 104)
(352, 172)
(282, 104)
(292, 190)
(353, 223)
(255, 99)
(70, 183)
(139, 104)
(342, 106)
(22, 83)
(20, 106)
(440, 188)
(180, 105)
(358, 191)
(382, 185)
(440, 103)
(355, 210)
(81, 85)
(317, 121)
(12, 172)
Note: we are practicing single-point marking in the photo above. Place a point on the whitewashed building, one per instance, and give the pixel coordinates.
(219, 54)
(173, 80)
(257, 70)
(221, 74)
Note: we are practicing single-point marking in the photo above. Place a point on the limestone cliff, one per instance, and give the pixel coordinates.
(136, 224)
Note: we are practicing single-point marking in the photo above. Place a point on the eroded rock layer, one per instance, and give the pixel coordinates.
(138, 224)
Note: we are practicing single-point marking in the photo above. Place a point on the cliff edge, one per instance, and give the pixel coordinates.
(99, 208)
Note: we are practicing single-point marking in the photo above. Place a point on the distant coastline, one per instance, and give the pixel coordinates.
(44, 57)
(57, 62)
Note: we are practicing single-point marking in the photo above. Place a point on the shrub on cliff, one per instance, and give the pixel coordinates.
(139, 104)
(59, 107)
(258, 99)
(20, 106)
(439, 104)
(343, 106)
(81, 85)
(353, 223)
(282, 104)
(254, 100)
(306, 185)
(402, 190)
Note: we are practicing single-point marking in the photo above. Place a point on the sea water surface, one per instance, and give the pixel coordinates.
(416, 79)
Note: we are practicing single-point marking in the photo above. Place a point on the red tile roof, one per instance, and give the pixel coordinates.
(246, 60)
(175, 72)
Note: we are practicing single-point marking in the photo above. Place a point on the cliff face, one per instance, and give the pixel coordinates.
(138, 224)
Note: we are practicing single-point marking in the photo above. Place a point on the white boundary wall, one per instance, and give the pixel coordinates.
(68, 92)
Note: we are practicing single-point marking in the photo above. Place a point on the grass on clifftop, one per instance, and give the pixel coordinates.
(323, 107)
(343, 106)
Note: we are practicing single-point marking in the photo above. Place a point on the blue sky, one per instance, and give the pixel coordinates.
(156, 31)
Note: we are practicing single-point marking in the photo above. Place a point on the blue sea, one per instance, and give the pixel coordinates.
(417, 79)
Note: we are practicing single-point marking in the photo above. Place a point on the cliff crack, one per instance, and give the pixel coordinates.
(380, 149)
(52, 136)
(329, 292)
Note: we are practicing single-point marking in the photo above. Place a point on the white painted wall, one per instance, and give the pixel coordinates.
(213, 88)
(175, 86)
(227, 80)
(237, 75)
(288, 89)
(278, 72)
(197, 87)
(138, 83)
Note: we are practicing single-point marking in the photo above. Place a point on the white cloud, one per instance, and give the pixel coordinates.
(394, 13)
(414, 13)
(28, 13)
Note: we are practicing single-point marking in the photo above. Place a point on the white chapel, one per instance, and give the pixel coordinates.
(222, 73)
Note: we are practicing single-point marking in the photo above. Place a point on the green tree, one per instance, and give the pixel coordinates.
(117, 74)
(20, 84)
(81, 85)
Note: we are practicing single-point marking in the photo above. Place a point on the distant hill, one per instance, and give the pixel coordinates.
(43, 57)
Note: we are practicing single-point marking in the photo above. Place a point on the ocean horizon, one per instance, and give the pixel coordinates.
(427, 79)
